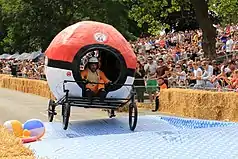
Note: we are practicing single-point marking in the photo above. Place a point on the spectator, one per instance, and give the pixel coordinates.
(234, 80)
(162, 85)
(216, 70)
(14, 69)
(181, 76)
(139, 82)
(229, 45)
(197, 75)
(207, 74)
(151, 83)
(162, 70)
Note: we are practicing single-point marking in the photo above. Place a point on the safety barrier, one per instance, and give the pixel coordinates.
(37, 87)
(180, 102)
(200, 104)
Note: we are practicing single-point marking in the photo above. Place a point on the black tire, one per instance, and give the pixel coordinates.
(65, 115)
(133, 115)
(51, 110)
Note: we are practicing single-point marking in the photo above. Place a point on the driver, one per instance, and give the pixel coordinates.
(93, 74)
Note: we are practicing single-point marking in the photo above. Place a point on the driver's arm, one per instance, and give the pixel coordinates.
(84, 74)
(104, 78)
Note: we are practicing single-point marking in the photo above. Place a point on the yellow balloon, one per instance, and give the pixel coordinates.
(17, 128)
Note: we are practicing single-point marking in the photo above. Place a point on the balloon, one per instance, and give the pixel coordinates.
(14, 126)
(36, 128)
(26, 133)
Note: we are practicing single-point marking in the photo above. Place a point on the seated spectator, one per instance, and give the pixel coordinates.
(197, 76)
(6, 69)
(216, 69)
(207, 74)
(234, 80)
(181, 75)
(173, 79)
(191, 80)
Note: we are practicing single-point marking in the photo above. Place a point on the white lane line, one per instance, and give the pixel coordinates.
(44, 114)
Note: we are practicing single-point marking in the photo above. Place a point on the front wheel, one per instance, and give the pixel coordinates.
(111, 113)
(65, 115)
(133, 115)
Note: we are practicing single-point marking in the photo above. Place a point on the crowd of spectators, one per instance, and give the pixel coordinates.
(175, 59)
(26, 69)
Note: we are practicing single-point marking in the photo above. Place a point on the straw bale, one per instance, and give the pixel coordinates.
(179, 102)
(200, 104)
(36, 87)
(11, 148)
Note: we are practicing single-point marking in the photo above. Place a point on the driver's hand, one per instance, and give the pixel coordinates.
(109, 83)
(86, 81)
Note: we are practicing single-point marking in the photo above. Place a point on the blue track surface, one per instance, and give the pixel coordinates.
(159, 137)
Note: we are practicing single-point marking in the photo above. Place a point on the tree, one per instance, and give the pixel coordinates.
(2, 31)
(226, 9)
(156, 12)
(209, 31)
(32, 24)
(159, 14)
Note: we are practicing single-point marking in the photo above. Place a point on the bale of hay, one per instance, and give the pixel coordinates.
(10, 147)
(32, 86)
(1, 77)
(200, 104)
(179, 102)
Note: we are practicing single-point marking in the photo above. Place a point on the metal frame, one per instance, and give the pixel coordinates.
(111, 104)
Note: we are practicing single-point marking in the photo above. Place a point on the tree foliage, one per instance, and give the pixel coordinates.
(32, 24)
(160, 14)
(27, 25)
(157, 14)
(226, 9)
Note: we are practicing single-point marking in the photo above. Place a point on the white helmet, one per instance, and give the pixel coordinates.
(93, 60)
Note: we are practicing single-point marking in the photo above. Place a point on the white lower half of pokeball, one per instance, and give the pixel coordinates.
(55, 78)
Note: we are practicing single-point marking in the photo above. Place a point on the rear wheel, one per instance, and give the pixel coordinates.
(133, 115)
(51, 110)
(65, 115)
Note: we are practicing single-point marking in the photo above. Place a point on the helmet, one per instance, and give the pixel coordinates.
(93, 60)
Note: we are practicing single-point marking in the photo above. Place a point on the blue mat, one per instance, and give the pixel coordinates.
(159, 137)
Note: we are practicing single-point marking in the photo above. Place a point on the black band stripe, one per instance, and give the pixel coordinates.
(68, 66)
(59, 64)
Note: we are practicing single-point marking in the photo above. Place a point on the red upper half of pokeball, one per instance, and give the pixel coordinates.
(69, 41)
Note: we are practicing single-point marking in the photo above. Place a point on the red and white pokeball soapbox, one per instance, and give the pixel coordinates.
(64, 54)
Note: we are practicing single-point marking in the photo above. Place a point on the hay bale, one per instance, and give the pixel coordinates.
(32, 86)
(200, 104)
(179, 102)
(10, 147)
